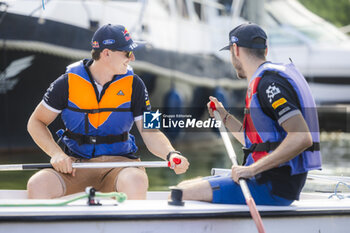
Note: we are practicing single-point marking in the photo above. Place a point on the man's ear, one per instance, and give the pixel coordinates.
(105, 53)
(234, 49)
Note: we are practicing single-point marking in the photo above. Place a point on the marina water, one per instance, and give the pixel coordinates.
(203, 155)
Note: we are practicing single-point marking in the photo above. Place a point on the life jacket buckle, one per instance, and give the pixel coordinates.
(92, 139)
(246, 111)
(95, 111)
(247, 151)
(252, 147)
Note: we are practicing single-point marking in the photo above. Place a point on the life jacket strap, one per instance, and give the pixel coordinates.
(92, 111)
(268, 146)
(87, 139)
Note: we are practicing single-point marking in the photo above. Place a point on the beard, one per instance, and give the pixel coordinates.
(238, 67)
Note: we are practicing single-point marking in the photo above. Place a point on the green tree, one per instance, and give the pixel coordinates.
(335, 11)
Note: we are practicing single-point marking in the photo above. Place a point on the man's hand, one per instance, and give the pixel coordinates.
(219, 107)
(63, 163)
(179, 168)
(242, 172)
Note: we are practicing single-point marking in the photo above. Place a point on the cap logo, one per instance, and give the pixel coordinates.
(126, 35)
(234, 39)
(132, 46)
(108, 41)
(95, 44)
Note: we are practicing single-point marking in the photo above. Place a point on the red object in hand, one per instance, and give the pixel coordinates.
(212, 106)
(175, 160)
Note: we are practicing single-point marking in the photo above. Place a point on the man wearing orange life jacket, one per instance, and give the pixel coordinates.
(99, 100)
(280, 131)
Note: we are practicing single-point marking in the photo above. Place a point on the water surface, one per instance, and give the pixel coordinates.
(203, 155)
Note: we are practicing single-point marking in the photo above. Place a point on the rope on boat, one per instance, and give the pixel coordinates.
(336, 194)
(119, 197)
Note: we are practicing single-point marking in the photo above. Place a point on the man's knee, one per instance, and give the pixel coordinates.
(44, 185)
(197, 189)
(189, 182)
(134, 182)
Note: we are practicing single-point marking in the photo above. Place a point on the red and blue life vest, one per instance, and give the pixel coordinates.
(98, 126)
(263, 134)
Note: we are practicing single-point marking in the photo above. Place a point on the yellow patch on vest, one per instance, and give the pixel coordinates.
(278, 103)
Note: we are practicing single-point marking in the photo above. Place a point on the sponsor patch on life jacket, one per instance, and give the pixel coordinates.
(120, 93)
(278, 103)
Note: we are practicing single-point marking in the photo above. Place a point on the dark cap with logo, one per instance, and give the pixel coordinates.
(248, 35)
(113, 37)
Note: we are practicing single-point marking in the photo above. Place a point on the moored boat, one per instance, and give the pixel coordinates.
(183, 36)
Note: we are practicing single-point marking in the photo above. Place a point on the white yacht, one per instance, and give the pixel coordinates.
(180, 59)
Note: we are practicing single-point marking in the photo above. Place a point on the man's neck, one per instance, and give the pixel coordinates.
(252, 67)
(100, 74)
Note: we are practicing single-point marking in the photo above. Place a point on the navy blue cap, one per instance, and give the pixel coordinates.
(244, 35)
(113, 37)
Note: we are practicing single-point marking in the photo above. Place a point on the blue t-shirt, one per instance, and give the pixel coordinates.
(56, 96)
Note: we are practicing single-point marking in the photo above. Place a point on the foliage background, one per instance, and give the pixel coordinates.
(335, 11)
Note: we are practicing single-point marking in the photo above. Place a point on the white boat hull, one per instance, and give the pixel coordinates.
(314, 213)
(285, 225)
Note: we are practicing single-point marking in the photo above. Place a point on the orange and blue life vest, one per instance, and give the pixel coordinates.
(96, 125)
(263, 134)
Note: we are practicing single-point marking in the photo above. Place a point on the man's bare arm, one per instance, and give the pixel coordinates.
(231, 123)
(38, 122)
(37, 128)
(297, 140)
(158, 144)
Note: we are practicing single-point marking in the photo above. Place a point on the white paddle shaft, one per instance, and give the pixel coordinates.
(345, 179)
(120, 164)
(19, 167)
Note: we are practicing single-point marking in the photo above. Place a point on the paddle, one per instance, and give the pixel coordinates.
(231, 153)
(35, 166)
(345, 179)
